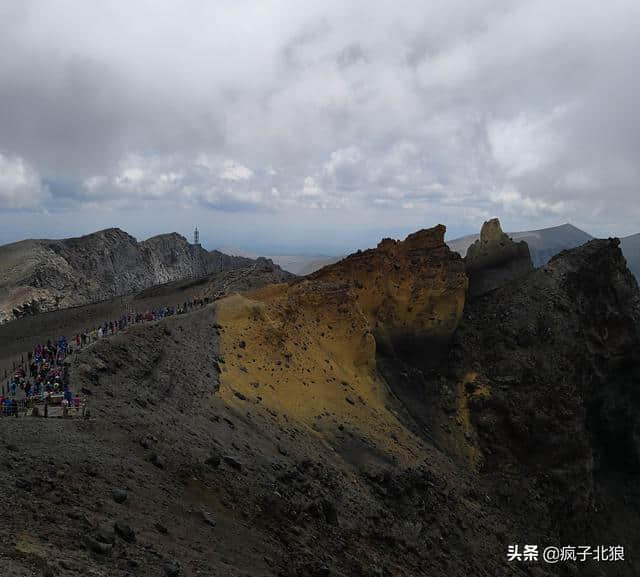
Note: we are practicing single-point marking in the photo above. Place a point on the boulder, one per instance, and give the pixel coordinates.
(119, 495)
(206, 518)
(172, 568)
(124, 531)
(214, 459)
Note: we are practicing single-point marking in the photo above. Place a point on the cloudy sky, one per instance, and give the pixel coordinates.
(317, 126)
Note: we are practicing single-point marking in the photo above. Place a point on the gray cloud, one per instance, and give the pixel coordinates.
(350, 119)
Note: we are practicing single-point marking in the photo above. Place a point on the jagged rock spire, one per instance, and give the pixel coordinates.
(495, 259)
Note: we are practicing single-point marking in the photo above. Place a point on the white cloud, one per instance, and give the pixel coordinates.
(525, 144)
(139, 180)
(343, 158)
(20, 185)
(94, 184)
(311, 188)
(512, 201)
(580, 180)
(233, 171)
(432, 106)
(230, 198)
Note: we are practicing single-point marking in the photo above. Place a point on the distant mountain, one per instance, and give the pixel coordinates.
(316, 264)
(543, 243)
(631, 249)
(297, 264)
(303, 264)
(234, 251)
(41, 275)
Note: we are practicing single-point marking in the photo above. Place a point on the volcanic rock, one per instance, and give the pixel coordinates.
(494, 259)
(125, 531)
(412, 292)
(119, 495)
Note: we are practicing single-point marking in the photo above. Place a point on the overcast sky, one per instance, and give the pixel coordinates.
(317, 126)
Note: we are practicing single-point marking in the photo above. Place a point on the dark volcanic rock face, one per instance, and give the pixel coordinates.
(41, 275)
(540, 395)
(494, 259)
(551, 368)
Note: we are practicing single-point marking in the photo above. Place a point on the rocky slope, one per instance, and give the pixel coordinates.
(367, 420)
(308, 349)
(41, 275)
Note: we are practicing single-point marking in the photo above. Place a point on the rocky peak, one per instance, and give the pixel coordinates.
(112, 234)
(427, 238)
(386, 245)
(495, 259)
(266, 264)
(491, 232)
(170, 237)
(492, 242)
(412, 292)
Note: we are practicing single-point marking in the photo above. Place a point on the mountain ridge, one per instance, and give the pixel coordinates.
(46, 274)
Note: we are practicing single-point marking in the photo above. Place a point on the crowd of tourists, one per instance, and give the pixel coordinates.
(115, 326)
(43, 378)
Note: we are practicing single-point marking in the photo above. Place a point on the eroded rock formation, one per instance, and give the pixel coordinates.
(494, 259)
(412, 292)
